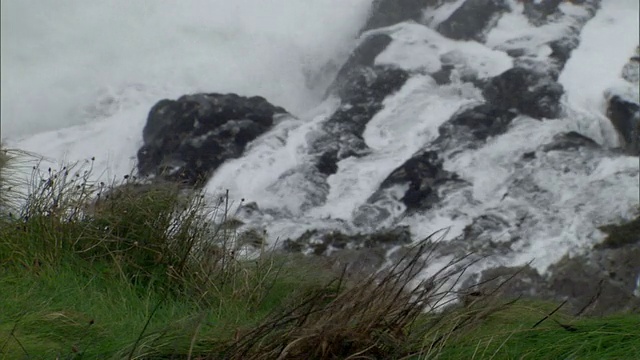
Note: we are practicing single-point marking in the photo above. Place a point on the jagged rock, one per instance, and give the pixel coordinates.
(527, 91)
(187, 139)
(328, 242)
(625, 117)
(601, 282)
(362, 92)
(477, 123)
(471, 20)
(390, 12)
(424, 174)
(362, 57)
(569, 141)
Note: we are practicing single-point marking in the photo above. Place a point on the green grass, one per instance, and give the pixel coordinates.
(139, 271)
(71, 310)
(511, 333)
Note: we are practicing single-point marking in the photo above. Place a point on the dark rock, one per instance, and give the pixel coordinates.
(472, 20)
(569, 141)
(187, 139)
(328, 242)
(561, 50)
(529, 92)
(480, 122)
(366, 53)
(443, 76)
(529, 155)
(602, 282)
(362, 58)
(389, 12)
(619, 235)
(424, 174)
(513, 282)
(538, 11)
(328, 163)
(631, 70)
(625, 116)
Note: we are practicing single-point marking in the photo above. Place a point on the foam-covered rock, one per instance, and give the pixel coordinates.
(424, 174)
(361, 90)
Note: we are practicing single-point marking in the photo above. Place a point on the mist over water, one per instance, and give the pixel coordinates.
(70, 62)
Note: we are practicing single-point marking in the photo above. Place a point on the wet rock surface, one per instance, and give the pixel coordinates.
(361, 92)
(471, 20)
(529, 92)
(601, 283)
(185, 140)
(390, 12)
(625, 117)
(424, 174)
(328, 242)
(476, 124)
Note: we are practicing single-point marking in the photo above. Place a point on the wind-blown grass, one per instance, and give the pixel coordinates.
(135, 270)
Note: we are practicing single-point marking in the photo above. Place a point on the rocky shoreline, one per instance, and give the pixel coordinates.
(188, 139)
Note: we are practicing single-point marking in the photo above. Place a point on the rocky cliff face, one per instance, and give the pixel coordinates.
(441, 118)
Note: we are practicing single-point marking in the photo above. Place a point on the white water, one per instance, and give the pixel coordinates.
(78, 78)
(72, 62)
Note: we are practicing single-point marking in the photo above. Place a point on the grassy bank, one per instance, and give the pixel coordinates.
(134, 271)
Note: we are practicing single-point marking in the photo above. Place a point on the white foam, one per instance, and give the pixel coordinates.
(607, 42)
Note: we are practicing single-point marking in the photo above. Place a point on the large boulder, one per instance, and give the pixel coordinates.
(530, 92)
(473, 19)
(187, 139)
